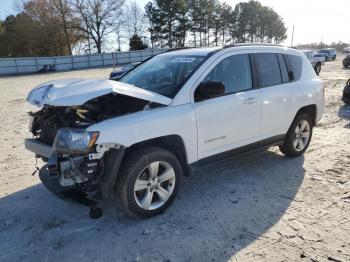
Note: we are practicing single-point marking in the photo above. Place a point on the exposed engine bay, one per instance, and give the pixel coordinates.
(78, 167)
(47, 121)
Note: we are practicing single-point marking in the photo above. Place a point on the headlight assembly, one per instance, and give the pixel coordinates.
(73, 140)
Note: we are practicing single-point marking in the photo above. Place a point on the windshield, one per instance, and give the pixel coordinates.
(163, 74)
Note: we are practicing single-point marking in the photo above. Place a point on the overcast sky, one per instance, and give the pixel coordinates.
(313, 19)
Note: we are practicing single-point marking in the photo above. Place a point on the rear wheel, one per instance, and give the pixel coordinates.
(298, 137)
(149, 181)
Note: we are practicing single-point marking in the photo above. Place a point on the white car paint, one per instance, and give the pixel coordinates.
(75, 92)
(131, 129)
(228, 121)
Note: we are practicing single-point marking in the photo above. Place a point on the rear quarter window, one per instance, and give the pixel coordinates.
(295, 64)
(268, 68)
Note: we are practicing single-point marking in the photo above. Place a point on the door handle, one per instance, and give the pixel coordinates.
(250, 100)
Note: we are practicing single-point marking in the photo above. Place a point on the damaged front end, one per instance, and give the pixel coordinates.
(70, 152)
(73, 156)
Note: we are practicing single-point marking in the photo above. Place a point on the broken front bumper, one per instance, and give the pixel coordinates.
(38, 148)
(103, 171)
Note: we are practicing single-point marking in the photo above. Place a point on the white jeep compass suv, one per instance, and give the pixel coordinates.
(133, 139)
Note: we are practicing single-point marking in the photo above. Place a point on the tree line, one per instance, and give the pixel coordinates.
(208, 22)
(64, 27)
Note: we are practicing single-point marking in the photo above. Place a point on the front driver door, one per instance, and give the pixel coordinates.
(232, 120)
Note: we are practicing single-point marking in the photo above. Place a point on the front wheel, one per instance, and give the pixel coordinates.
(298, 137)
(149, 181)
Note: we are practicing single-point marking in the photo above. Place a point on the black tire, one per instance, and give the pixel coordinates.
(318, 68)
(346, 93)
(346, 100)
(52, 183)
(288, 148)
(135, 164)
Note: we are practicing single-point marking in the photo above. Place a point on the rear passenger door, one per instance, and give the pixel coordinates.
(273, 80)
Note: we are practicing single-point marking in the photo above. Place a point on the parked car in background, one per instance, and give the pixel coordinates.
(346, 50)
(346, 93)
(316, 62)
(328, 53)
(133, 139)
(123, 70)
(346, 61)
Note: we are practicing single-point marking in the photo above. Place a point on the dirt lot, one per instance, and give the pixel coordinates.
(258, 207)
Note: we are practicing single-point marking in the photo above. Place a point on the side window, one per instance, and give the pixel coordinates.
(234, 72)
(268, 68)
(283, 67)
(295, 63)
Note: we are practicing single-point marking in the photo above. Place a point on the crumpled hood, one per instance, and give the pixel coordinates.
(74, 92)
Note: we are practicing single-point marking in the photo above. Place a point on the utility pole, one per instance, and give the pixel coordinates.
(291, 43)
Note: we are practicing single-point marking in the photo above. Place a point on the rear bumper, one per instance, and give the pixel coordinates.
(38, 147)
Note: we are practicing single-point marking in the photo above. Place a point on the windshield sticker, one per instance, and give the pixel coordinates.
(183, 60)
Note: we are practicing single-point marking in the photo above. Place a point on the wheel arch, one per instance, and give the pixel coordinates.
(172, 143)
(311, 110)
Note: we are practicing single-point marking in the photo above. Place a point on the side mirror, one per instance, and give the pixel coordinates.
(209, 89)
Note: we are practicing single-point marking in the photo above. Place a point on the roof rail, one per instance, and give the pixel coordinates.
(252, 44)
(176, 49)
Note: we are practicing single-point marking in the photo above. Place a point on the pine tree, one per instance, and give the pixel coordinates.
(136, 43)
(169, 22)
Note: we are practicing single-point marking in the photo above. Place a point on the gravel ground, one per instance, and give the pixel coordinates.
(257, 207)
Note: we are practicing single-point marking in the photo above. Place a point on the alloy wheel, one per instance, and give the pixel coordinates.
(154, 185)
(301, 135)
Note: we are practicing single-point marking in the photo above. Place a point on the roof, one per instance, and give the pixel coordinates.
(204, 51)
(253, 44)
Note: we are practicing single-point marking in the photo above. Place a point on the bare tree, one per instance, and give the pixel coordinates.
(119, 30)
(136, 20)
(68, 22)
(84, 26)
(99, 18)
